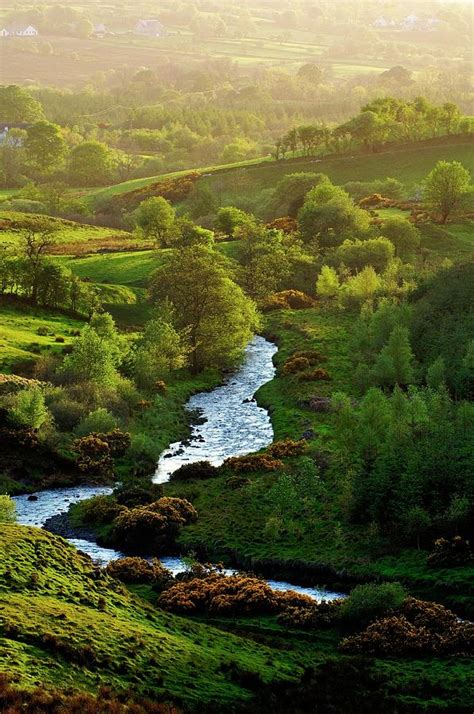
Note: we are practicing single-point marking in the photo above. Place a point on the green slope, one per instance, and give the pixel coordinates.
(66, 624)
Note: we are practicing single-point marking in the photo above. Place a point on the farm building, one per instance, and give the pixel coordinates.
(19, 31)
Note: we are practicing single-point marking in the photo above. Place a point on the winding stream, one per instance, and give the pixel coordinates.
(231, 424)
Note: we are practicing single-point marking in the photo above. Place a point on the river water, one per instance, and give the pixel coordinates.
(231, 424)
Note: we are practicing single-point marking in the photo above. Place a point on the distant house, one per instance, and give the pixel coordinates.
(19, 30)
(151, 28)
(100, 30)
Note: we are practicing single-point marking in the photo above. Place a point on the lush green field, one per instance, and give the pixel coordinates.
(63, 628)
(19, 339)
(68, 237)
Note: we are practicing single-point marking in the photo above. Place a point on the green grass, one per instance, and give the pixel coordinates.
(408, 164)
(64, 628)
(67, 628)
(19, 340)
(453, 241)
(129, 269)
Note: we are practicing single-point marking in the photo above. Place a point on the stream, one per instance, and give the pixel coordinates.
(231, 424)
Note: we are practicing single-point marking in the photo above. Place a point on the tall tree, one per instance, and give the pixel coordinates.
(45, 147)
(217, 315)
(445, 187)
(156, 217)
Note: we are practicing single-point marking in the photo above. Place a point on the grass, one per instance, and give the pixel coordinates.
(19, 340)
(69, 237)
(64, 628)
(407, 164)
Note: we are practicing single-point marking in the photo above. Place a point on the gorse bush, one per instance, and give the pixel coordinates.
(287, 448)
(253, 462)
(153, 527)
(138, 571)
(288, 300)
(228, 595)
(419, 628)
(315, 375)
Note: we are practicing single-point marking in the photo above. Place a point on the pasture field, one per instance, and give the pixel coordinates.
(68, 237)
(19, 339)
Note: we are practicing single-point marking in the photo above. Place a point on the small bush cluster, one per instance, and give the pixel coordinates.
(315, 375)
(450, 553)
(288, 300)
(287, 448)
(419, 628)
(311, 616)
(286, 224)
(228, 595)
(293, 365)
(138, 493)
(199, 470)
(138, 571)
(366, 602)
(237, 482)
(152, 527)
(93, 456)
(100, 510)
(253, 462)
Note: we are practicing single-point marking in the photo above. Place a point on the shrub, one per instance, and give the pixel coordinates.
(295, 364)
(286, 224)
(287, 448)
(138, 493)
(450, 553)
(313, 356)
(67, 412)
(138, 571)
(7, 509)
(117, 440)
(160, 386)
(43, 331)
(237, 482)
(152, 527)
(98, 421)
(315, 375)
(319, 404)
(311, 616)
(366, 602)
(418, 628)
(93, 456)
(198, 470)
(253, 462)
(100, 510)
(288, 299)
(227, 595)
(59, 339)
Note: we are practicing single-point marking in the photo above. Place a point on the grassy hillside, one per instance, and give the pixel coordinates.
(407, 164)
(69, 237)
(65, 625)
(19, 339)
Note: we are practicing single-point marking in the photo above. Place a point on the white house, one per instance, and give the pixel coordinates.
(18, 30)
(152, 28)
